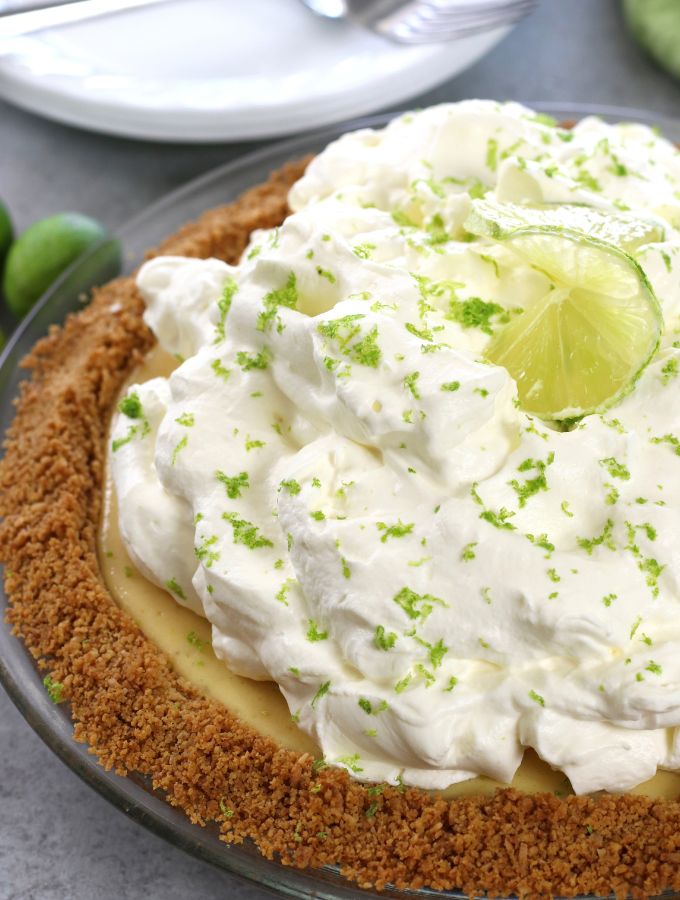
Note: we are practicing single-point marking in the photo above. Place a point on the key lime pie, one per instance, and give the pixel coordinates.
(393, 501)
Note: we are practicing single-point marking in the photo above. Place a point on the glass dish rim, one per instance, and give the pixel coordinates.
(18, 673)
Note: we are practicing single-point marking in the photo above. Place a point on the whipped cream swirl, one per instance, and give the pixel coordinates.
(350, 494)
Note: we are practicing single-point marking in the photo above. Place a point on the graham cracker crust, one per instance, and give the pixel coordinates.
(137, 715)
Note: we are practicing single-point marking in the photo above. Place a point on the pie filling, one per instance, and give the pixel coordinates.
(185, 637)
(352, 496)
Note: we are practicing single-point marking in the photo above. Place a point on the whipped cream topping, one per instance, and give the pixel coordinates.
(350, 494)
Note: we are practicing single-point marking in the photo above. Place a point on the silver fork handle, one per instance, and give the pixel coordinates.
(365, 12)
(425, 21)
(15, 22)
(12, 7)
(372, 10)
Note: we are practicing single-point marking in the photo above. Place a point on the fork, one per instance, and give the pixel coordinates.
(425, 21)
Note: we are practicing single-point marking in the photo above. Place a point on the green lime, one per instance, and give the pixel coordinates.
(42, 253)
(581, 347)
(6, 233)
(656, 25)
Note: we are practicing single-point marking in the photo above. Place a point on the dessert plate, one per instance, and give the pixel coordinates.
(205, 70)
(18, 672)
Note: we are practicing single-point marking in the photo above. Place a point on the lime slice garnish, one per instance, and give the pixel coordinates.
(498, 220)
(582, 346)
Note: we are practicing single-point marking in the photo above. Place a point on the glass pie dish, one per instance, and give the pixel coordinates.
(17, 671)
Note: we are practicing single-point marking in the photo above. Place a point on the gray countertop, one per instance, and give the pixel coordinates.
(58, 839)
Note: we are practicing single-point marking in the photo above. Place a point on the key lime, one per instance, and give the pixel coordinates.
(582, 346)
(42, 253)
(656, 25)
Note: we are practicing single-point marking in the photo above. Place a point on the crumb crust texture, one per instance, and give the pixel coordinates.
(137, 715)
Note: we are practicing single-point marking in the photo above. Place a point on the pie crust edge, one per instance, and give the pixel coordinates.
(137, 715)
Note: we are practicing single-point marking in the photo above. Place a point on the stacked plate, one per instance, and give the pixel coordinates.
(206, 70)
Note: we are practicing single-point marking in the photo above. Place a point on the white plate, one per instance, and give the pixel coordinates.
(220, 70)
